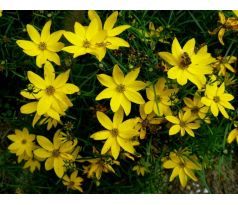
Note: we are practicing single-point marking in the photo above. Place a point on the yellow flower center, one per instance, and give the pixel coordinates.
(185, 60)
(120, 88)
(86, 44)
(50, 90)
(114, 132)
(195, 110)
(42, 46)
(182, 124)
(24, 141)
(216, 99)
(55, 153)
(103, 44)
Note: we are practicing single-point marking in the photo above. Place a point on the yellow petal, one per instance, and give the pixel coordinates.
(126, 145)
(35, 119)
(104, 120)
(55, 37)
(169, 58)
(169, 164)
(52, 56)
(101, 135)
(33, 33)
(136, 85)
(93, 15)
(36, 80)
(45, 143)
(214, 109)
(73, 38)
(206, 101)
(189, 47)
(61, 79)
(49, 163)
(49, 73)
(41, 59)
(55, 47)
(182, 178)
(222, 17)
(118, 30)
(42, 153)
(44, 104)
(174, 129)
(174, 174)
(115, 148)
(131, 76)
(172, 119)
(118, 118)
(92, 29)
(28, 45)
(134, 96)
(190, 173)
(29, 108)
(116, 42)
(176, 49)
(220, 35)
(106, 80)
(223, 111)
(126, 105)
(106, 93)
(69, 88)
(115, 101)
(59, 167)
(53, 114)
(226, 104)
(118, 75)
(45, 33)
(107, 145)
(189, 131)
(110, 21)
(232, 135)
(173, 72)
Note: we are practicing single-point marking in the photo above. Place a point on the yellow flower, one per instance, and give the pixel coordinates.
(223, 63)
(1, 13)
(52, 92)
(121, 89)
(141, 168)
(55, 153)
(84, 39)
(145, 121)
(44, 46)
(188, 65)
(23, 143)
(183, 123)
(183, 166)
(235, 12)
(216, 98)
(118, 134)
(197, 108)
(111, 41)
(32, 164)
(73, 182)
(160, 98)
(233, 135)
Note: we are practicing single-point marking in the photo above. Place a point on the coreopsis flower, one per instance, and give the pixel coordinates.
(51, 122)
(84, 39)
(53, 91)
(118, 134)
(23, 143)
(223, 63)
(32, 164)
(227, 24)
(144, 121)
(73, 182)
(217, 99)
(233, 134)
(160, 98)
(121, 89)
(55, 153)
(111, 41)
(188, 65)
(183, 165)
(185, 122)
(44, 46)
(197, 108)
(141, 168)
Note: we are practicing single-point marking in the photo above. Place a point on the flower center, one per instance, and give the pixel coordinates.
(216, 99)
(120, 88)
(103, 44)
(55, 153)
(145, 123)
(42, 46)
(24, 141)
(182, 124)
(182, 165)
(86, 44)
(157, 98)
(114, 132)
(71, 184)
(50, 90)
(185, 60)
(195, 109)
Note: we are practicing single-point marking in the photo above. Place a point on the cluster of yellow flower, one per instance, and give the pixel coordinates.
(49, 100)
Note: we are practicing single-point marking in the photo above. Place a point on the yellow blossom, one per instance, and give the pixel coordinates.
(52, 92)
(216, 98)
(32, 164)
(188, 65)
(73, 182)
(118, 134)
(23, 143)
(223, 63)
(55, 153)
(160, 98)
(146, 120)
(183, 123)
(233, 135)
(183, 165)
(44, 46)
(121, 89)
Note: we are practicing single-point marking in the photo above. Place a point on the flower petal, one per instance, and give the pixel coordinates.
(174, 129)
(118, 75)
(45, 33)
(104, 120)
(110, 21)
(44, 104)
(33, 33)
(134, 96)
(69, 88)
(29, 108)
(45, 143)
(101, 135)
(36, 80)
(118, 30)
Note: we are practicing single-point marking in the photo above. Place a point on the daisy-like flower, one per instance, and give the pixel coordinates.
(223, 63)
(183, 165)
(233, 135)
(141, 168)
(188, 65)
(144, 121)
(53, 90)
(73, 182)
(121, 89)
(197, 108)
(216, 98)
(23, 143)
(118, 134)
(84, 39)
(32, 164)
(111, 41)
(185, 122)
(55, 153)
(44, 46)
(160, 98)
